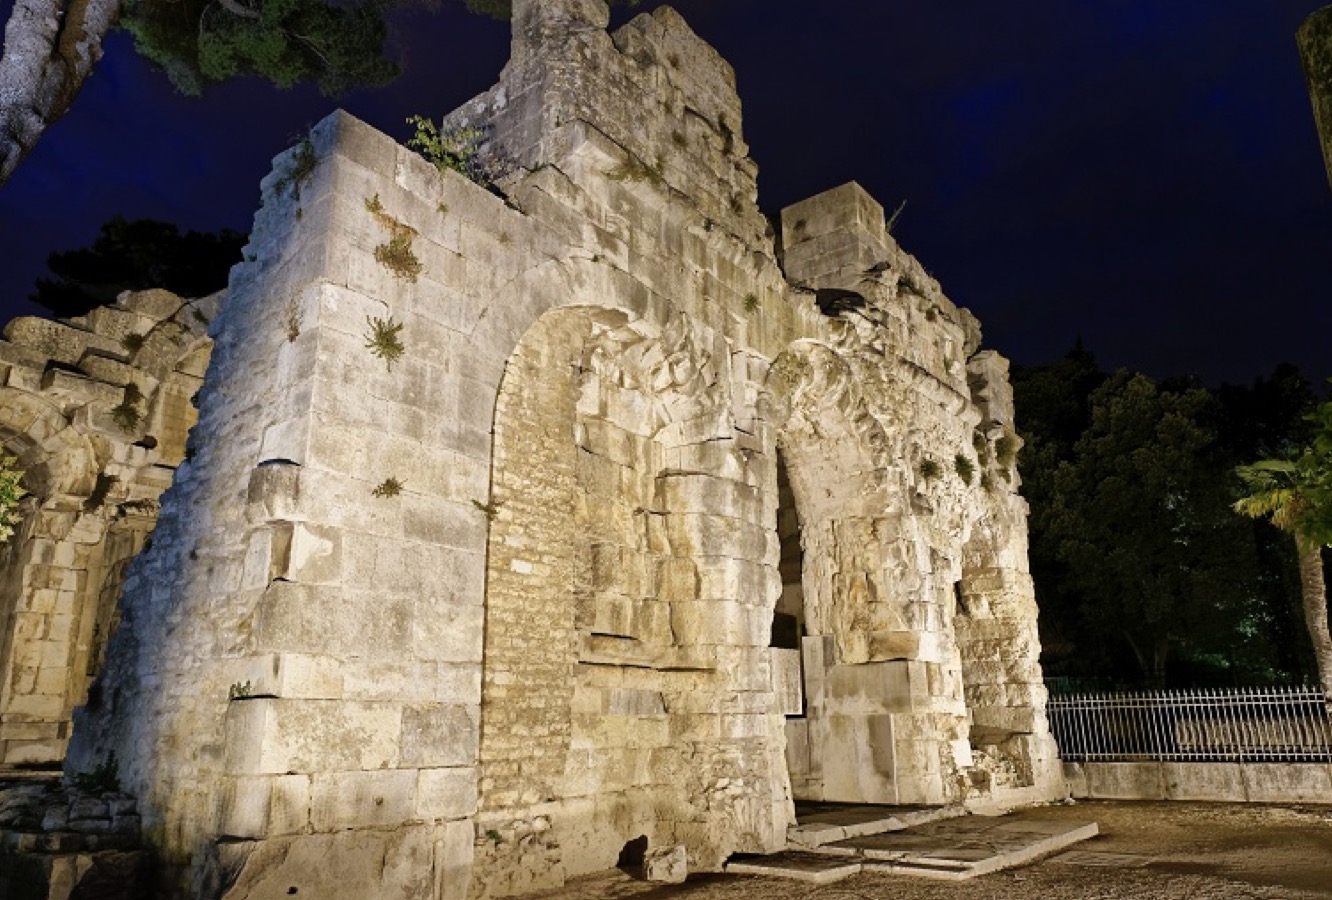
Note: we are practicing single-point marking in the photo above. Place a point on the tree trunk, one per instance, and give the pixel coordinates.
(1314, 591)
(50, 49)
(1159, 655)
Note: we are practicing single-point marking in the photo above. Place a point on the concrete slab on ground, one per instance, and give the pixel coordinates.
(821, 824)
(945, 845)
(958, 849)
(797, 865)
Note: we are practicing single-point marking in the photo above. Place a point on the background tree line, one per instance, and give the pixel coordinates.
(1145, 574)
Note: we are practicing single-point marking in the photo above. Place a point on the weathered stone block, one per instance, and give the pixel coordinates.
(244, 807)
(276, 736)
(787, 684)
(342, 800)
(666, 865)
(446, 793)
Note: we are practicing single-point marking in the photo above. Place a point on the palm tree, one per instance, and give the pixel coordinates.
(1292, 495)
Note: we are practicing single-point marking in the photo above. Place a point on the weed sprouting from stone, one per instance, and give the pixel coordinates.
(396, 255)
(127, 415)
(382, 339)
(103, 778)
(101, 488)
(634, 169)
(389, 487)
(751, 303)
(930, 469)
(965, 468)
(491, 510)
(293, 321)
(302, 167)
(132, 343)
(892, 220)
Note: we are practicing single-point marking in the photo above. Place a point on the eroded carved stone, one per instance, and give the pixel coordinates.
(96, 409)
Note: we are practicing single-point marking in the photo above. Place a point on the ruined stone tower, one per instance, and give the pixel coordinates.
(521, 527)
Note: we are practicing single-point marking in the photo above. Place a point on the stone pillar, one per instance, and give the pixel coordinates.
(1315, 42)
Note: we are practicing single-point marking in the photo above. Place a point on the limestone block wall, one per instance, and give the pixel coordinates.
(96, 410)
(470, 618)
(1015, 753)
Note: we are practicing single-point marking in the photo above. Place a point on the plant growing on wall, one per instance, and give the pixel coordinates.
(389, 487)
(292, 315)
(965, 468)
(396, 255)
(101, 490)
(103, 778)
(127, 415)
(633, 169)
(302, 167)
(382, 339)
(452, 149)
(10, 495)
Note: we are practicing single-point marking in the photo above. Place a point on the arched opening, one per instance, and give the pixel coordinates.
(626, 691)
(882, 713)
(41, 580)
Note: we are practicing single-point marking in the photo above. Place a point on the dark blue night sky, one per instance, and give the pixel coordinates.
(1143, 173)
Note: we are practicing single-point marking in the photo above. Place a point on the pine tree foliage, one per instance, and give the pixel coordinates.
(136, 255)
(335, 45)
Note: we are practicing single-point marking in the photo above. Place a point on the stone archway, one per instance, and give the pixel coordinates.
(626, 691)
(883, 715)
(42, 675)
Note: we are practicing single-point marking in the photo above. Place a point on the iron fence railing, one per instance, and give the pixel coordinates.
(1286, 724)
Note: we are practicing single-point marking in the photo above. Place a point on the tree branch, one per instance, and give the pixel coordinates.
(50, 49)
(236, 9)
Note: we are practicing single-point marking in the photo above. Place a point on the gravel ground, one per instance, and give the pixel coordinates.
(1146, 851)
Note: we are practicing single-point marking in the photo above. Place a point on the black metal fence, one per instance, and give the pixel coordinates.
(1287, 724)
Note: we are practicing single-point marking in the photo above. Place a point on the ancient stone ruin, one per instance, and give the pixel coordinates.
(96, 411)
(521, 528)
